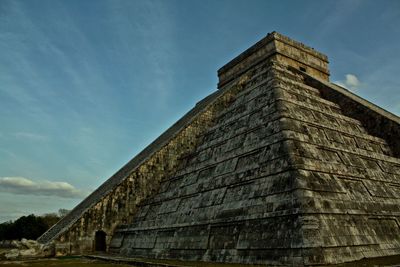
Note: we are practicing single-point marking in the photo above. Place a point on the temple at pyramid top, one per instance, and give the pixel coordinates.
(279, 47)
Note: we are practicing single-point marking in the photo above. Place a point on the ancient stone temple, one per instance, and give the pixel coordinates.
(278, 166)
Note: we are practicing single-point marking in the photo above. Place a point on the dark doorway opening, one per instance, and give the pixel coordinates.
(303, 69)
(100, 241)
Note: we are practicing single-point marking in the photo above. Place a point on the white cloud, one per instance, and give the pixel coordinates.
(351, 82)
(25, 186)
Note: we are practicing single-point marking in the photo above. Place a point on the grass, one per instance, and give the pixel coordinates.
(60, 262)
(387, 261)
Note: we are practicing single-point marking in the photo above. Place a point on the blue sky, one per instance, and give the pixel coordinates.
(85, 85)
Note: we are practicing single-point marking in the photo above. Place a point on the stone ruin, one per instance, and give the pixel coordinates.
(279, 166)
(25, 249)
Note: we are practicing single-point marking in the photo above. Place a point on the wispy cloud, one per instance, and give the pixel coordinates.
(339, 13)
(24, 186)
(30, 136)
(153, 25)
(350, 82)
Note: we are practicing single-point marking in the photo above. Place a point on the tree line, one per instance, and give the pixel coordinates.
(29, 227)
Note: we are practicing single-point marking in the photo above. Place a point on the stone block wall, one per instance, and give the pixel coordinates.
(376, 121)
(282, 48)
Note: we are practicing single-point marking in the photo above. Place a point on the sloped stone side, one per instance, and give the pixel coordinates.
(350, 178)
(116, 201)
(233, 199)
(285, 177)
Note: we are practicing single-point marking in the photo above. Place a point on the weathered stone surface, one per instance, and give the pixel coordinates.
(12, 254)
(278, 167)
(28, 249)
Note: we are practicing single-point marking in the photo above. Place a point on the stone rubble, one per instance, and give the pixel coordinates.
(28, 249)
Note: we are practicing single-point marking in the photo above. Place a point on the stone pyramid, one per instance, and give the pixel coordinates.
(279, 166)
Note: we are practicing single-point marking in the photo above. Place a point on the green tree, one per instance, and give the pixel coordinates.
(50, 219)
(29, 227)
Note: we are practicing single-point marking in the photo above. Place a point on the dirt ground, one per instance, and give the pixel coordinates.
(85, 262)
